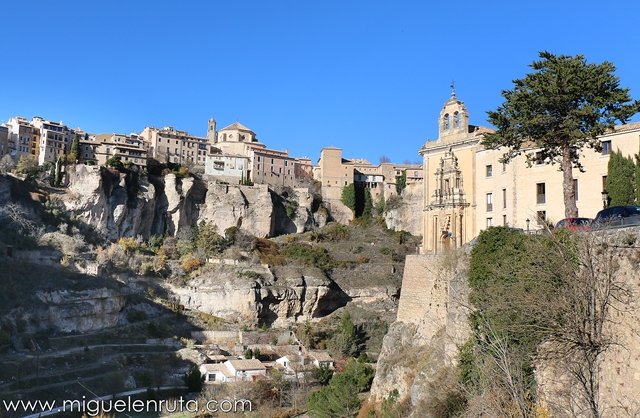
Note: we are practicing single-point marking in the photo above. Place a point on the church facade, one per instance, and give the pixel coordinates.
(468, 189)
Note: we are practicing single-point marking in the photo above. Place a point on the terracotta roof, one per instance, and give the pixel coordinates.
(236, 126)
(251, 364)
(320, 355)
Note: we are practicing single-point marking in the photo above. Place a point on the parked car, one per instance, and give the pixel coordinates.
(575, 224)
(617, 216)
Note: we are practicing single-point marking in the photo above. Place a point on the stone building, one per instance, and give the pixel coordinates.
(54, 139)
(336, 172)
(168, 144)
(99, 148)
(467, 189)
(266, 166)
(22, 137)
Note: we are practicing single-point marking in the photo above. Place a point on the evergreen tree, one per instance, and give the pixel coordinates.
(638, 179)
(401, 182)
(561, 107)
(621, 172)
(349, 197)
(367, 209)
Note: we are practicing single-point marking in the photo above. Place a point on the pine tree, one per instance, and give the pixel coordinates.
(620, 180)
(560, 108)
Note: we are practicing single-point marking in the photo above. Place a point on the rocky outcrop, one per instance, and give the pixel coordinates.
(247, 207)
(116, 205)
(65, 311)
(405, 212)
(257, 295)
(124, 205)
(420, 349)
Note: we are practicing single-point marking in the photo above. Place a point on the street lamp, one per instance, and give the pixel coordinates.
(528, 220)
(605, 198)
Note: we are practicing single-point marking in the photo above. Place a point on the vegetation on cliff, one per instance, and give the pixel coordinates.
(537, 299)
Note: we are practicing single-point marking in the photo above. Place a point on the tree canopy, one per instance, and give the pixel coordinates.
(558, 109)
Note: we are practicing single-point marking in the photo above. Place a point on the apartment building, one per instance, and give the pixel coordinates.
(468, 189)
(22, 137)
(130, 148)
(54, 139)
(168, 144)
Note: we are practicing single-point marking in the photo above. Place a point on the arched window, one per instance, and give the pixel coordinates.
(456, 120)
(447, 121)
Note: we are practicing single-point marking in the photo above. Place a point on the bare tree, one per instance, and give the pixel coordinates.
(384, 159)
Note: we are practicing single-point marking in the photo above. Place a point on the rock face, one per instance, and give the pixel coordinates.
(420, 348)
(246, 207)
(408, 215)
(259, 296)
(65, 311)
(115, 205)
(126, 205)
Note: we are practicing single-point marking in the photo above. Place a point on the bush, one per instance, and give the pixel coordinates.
(191, 263)
(129, 244)
(337, 232)
(309, 255)
(193, 379)
(28, 167)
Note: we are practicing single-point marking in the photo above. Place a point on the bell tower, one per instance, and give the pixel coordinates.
(454, 118)
(211, 131)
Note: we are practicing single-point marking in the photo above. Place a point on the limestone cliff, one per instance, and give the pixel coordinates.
(121, 205)
(258, 295)
(406, 215)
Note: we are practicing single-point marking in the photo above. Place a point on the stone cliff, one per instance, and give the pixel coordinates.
(406, 215)
(420, 351)
(257, 295)
(123, 205)
(420, 348)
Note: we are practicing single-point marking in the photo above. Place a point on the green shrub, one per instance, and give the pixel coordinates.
(309, 255)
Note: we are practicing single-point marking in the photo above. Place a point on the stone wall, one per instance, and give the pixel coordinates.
(422, 345)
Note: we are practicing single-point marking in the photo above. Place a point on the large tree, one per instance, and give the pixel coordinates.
(558, 109)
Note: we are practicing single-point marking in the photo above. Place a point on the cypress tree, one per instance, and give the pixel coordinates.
(620, 180)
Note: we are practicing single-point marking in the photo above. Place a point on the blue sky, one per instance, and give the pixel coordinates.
(367, 76)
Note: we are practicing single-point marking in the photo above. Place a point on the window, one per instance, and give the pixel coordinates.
(447, 121)
(541, 217)
(541, 193)
(456, 119)
(489, 169)
(489, 202)
(606, 147)
(504, 220)
(575, 189)
(504, 167)
(489, 222)
(604, 183)
(504, 198)
(538, 158)
(272, 161)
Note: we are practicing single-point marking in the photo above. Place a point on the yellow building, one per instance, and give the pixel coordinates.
(467, 188)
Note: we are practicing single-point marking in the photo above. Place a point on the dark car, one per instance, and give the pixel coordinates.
(617, 216)
(575, 224)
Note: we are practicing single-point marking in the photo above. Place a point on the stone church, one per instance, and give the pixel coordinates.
(467, 188)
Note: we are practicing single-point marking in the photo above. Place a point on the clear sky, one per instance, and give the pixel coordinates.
(367, 76)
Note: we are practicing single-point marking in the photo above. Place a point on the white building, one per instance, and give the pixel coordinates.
(234, 371)
(230, 168)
